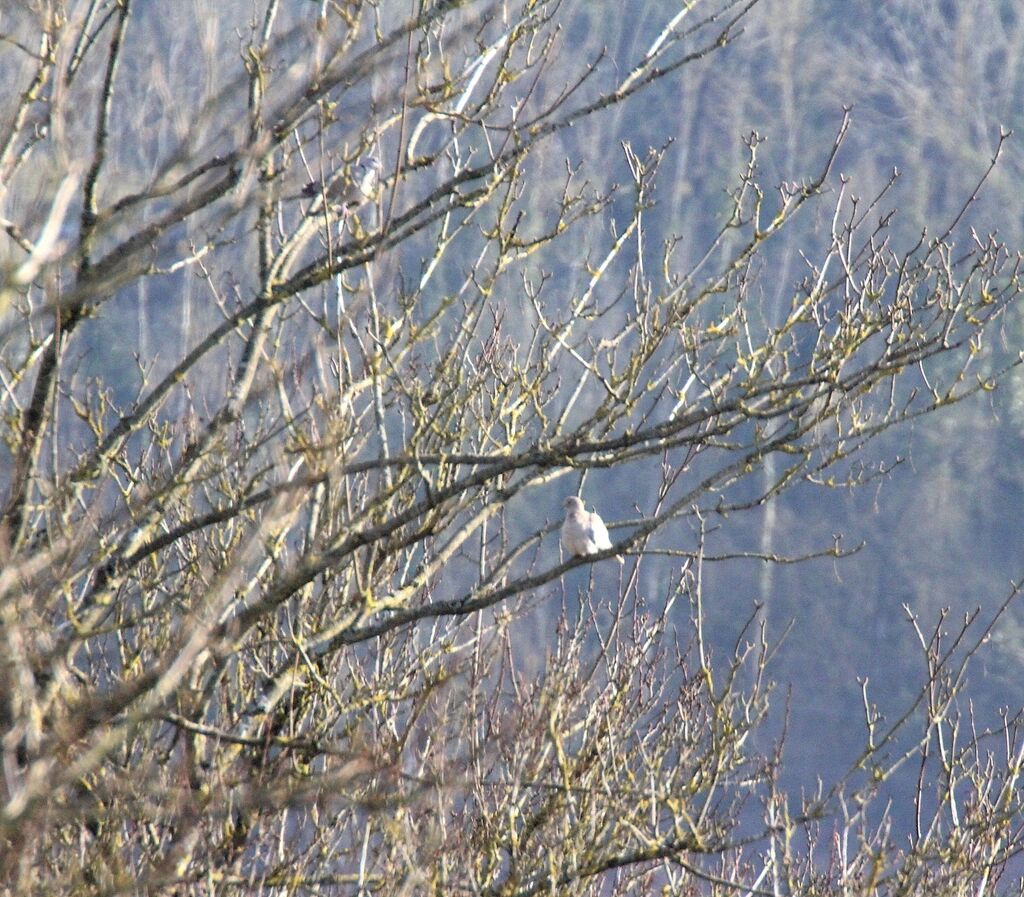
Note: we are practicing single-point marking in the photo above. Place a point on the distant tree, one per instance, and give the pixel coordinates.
(283, 469)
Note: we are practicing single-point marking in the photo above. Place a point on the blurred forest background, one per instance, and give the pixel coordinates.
(930, 85)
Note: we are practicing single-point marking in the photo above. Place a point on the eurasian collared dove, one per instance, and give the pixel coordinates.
(345, 195)
(583, 532)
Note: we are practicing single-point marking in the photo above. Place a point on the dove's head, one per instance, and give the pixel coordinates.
(573, 505)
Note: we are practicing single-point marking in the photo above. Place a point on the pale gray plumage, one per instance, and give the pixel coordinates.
(583, 532)
(345, 195)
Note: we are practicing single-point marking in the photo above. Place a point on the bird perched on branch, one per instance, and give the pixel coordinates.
(345, 195)
(583, 532)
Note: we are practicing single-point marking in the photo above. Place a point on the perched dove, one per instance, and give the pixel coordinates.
(583, 533)
(346, 195)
